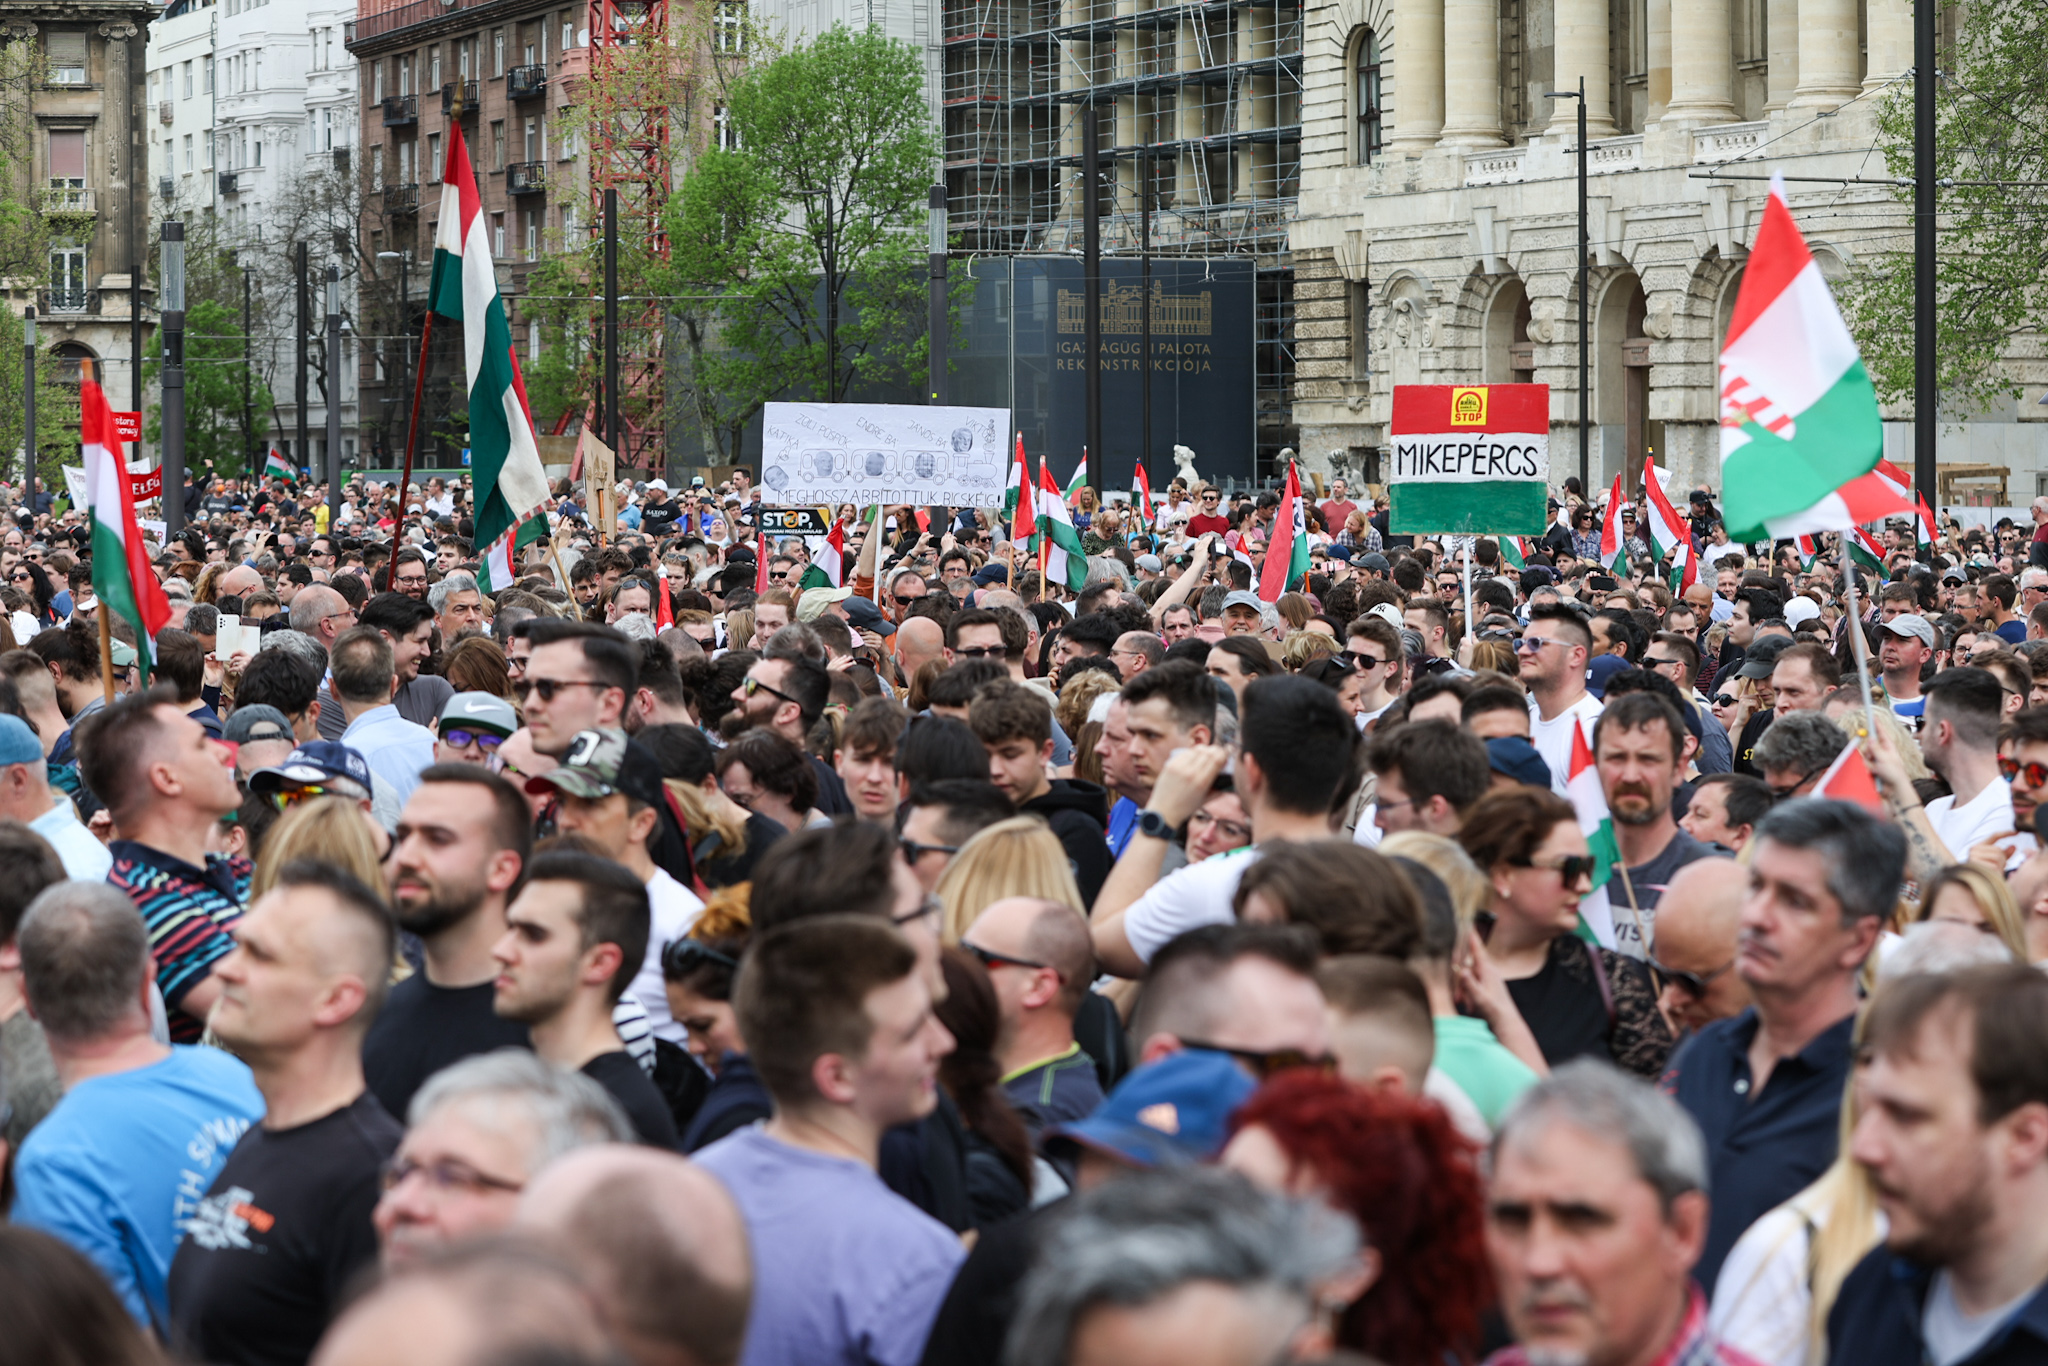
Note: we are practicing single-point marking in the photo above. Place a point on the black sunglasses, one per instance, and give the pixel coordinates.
(913, 851)
(1693, 984)
(548, 687)
(1571, 868)
(992, 960)
(1272, 1062)
(681, 957)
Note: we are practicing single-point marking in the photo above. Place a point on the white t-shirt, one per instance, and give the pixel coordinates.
(1553, 738)
(673, 909)
(1199, 894)
(1984, 815)
(1762, 1300)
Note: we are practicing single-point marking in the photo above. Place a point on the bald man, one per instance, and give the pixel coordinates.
(239, 582)
(321, 613)
(918, 640)
(481, 1303)
(1699, 920)
(1041, 960)
(661, 1244)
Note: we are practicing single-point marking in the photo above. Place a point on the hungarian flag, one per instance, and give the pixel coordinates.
(1613, 553)
(1582, 789)
(1512, 552)
(1848, 779)
(1060, 555)
(274, 464)
(664, 610)
(760, 564)
(505, 471)
(1799, 419)
(1079, 481)
(1899, 482)
(1864, 550)
(1141, 493)
(828, 562)
(1670, 535)
(1018, 504)
(1287, 552)
(499, 565)
(121, 576)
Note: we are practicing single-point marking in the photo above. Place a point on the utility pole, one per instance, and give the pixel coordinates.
(1585, 339)
(28, 406)
(135, 335)
(935, 302)
(248, 365)
(1146, 168)
(333, 461)
(300, 311)
(1926, 393)
(611, 329)
(172, 271)
(1091, 286)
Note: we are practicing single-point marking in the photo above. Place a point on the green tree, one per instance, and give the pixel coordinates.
(24, 260)
(1991, 158)
(808, 234)
(216, 439)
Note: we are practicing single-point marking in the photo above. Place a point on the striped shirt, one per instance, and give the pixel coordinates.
(188, 911)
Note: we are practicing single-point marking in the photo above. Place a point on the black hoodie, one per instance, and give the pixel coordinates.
(1078, 813)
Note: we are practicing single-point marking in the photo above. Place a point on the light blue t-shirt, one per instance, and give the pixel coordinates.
(124, 1160)
(846, 1272)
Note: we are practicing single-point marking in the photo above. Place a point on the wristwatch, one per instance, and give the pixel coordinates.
(1152, 824)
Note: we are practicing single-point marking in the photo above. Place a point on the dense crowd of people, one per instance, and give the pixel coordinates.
(1488, 950)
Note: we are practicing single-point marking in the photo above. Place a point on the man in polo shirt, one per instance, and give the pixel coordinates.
(365, 680)
(608, 790)
(470, 728)
(1040, 959)
(166, 784)
(1766, 1086)
(25, 796)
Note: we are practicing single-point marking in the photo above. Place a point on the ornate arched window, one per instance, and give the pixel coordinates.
(1367, 94)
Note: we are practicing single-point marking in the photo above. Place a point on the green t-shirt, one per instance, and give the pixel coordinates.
(1468, 1053)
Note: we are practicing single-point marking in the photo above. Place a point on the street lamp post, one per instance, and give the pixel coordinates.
(1585, 395)
(935, 290)
(172, 320)
(404, 259)
(333, 402)
(28, 405)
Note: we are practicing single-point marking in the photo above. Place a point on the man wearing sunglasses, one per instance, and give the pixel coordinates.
(786, 692)
(1552, 654)
(579, 676)
(1040, 961)
(319, 769)
(471, 727)
(1699, 928)
(1210, 520)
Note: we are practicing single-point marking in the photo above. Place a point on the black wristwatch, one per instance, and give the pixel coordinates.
(1155, 825)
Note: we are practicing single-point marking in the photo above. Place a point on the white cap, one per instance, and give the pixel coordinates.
(661, 484)
(1801, 609)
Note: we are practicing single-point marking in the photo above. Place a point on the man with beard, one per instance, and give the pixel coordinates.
(460, 846)
(1639, 749)
(1766, 1085)
(1954, 1133)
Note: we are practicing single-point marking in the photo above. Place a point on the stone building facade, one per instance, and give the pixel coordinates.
(1436, 240)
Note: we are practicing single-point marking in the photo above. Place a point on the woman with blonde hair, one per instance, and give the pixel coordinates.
(332, 830)
(1077, 698)
(1303, 646)
(1016, 857)
(1971, 894)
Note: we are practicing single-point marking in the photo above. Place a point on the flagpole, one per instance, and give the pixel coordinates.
(412, 427)
(1858, 644)
(1470, 634)
(105, 614)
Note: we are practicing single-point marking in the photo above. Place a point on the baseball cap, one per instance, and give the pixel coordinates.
(1601, 669)
(327, 762)
(813, 603)
(1517, 758)
(247, 725)
(1149, 563)
(1174, 1113)
(661, 484)
(1801, 609)
(1374, 561)
(602, 762)
(863, 615)
(1911, 624)
(996, 572)
(1337, 552)
(18, 743)
(1954, 575)
(1241, 598)
(479, 711)
(1762, 655)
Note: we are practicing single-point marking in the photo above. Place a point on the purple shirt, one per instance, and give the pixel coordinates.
(845, 1270)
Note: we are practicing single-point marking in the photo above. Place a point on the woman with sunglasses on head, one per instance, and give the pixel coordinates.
(1577, 998)
(698, 974)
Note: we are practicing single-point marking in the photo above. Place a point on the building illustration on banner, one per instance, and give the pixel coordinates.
(868, 453)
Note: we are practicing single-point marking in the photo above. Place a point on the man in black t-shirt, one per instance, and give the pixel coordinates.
(274, 1241)
(462, 840)
(575, 936)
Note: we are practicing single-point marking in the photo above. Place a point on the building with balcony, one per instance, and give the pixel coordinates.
(505, 72)
(1436, 236)
(87, 173)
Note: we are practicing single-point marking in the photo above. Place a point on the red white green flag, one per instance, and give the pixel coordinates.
(1613, 553)
(505, 468)
(1141, 492)
(1023, 507)
(1287, 552)
(828, 562)
(121, 576)
(1061, 557)
(1799, 419)
(275, 464)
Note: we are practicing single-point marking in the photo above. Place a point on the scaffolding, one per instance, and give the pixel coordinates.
(1200, 99)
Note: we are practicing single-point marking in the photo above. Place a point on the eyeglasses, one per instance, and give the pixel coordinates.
(1272, 1062)
(445, 1175)
(2036, 774)
(548, 687)
(902, 601)
(1724, 699)
(754, 685)
(1571, 869)
(984, 651)
(1362, 661)
(992, 960)
(287, 798)
(1528, 644)
(1236, 830)
(1654, 663)
(931, 905)
(680, 957)
(913, 851)
(487, 741)
(1693, 984)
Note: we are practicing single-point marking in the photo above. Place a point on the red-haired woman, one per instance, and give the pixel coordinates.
(1411, 1180)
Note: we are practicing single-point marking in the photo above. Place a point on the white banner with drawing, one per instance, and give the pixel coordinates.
(869, 453)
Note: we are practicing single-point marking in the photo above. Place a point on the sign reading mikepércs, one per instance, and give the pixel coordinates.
(1469, 458)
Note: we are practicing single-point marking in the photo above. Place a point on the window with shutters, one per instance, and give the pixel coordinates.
(67, 158)
(433, 167)
(497, 52)
(498, 145)
(65, 53)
